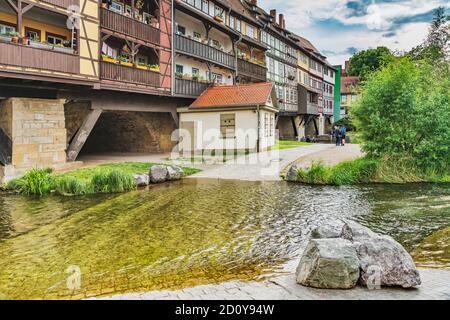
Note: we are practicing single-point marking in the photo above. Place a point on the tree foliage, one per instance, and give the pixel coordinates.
(436, 46)
(367, 61)
(404, 113)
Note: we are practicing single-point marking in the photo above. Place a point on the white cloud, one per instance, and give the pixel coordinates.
(363, 30)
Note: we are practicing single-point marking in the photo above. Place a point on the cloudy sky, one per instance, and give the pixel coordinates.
(339, 28)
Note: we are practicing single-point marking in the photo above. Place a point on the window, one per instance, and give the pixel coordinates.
(141, 59)
(198, 4)
(238, 25)
(5, 29)
(55, 39)
(216, 44)
(181, 30)
(250, 31)
(344, 98)
(266, 124)
(232, 22)
(116, 7)
(227, 125)
(111, 52)
(197, 36)
(179, 69)
(272, 125)
(128, 10)
(205, 6)
(32, 34)
(195, 71)
(218, 11)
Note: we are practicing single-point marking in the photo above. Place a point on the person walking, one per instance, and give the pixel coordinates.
(338, 134)
(344, 133)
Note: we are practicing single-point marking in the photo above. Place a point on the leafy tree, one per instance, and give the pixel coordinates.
(404, 113)
(436, 46)
(367, 61)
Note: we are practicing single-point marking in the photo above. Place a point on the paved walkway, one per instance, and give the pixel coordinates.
(435, 286)
(265, 166)
(331, 156)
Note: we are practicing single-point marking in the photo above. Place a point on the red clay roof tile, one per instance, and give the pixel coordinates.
(252, 94)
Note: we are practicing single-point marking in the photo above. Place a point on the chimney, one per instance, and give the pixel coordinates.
(346, 65)
(282, 23)
(273, 14)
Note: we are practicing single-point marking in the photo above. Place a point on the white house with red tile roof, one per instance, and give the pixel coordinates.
(238, 117)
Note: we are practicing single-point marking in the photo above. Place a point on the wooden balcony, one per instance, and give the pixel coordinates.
(189, 88)
(128, 27)
(63, 3)
(41, 59)
(252, 70)
(204, 52)
(130, 75)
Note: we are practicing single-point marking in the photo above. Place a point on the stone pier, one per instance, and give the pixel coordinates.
(36, 128)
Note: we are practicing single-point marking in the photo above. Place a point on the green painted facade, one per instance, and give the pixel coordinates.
(337, 94)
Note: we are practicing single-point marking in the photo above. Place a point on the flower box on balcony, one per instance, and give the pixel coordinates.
(109, 59)
(40, 45)
(63, 49)
(126, 63)
(154, 68)
(218, 18)
(141, 66)
(5, 38)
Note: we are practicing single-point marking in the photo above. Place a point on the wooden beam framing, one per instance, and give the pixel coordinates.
(83, 134)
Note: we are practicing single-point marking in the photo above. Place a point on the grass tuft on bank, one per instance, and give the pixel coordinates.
(369, 170)
(289, 144)
(104, 178)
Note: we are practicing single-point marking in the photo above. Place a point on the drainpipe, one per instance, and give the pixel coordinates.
(259, 125)
(236, 58)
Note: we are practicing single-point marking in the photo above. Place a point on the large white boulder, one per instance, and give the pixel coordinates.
(329, 264)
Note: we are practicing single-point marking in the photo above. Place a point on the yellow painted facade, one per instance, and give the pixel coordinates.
(44, 27)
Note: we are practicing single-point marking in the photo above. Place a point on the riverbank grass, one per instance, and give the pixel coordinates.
(369, 170)
(104, 178)
(289, 144)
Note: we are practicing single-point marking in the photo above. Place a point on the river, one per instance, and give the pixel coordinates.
(198, 231)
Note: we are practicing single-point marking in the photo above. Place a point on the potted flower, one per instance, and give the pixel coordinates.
(109, 59)
(141, 66)
(187, 77)
(196, 77)
(218, 18)
(178, 75)
(124, 61)
(154, 67)
(15, 37)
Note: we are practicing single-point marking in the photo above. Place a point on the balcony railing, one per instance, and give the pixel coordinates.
(130, 27)
(190, 88)
(252, 70)
(63, 3)
(308, 108)
(204, 52)
(116, 72)
(29, 57)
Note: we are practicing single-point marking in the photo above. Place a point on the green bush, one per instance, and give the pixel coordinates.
(112, 182)
(35, 182)
(404, 114)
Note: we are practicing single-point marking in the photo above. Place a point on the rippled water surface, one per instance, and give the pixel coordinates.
(198, 231)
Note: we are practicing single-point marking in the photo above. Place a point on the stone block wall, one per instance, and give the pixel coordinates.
(140, 132)
(37, 130)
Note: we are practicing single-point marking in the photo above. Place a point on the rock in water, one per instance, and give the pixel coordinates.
(327, 231)
(174, 173)
(384, 262)
(158, 174)
(292, 174)
(142, 180)
(329, 264)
